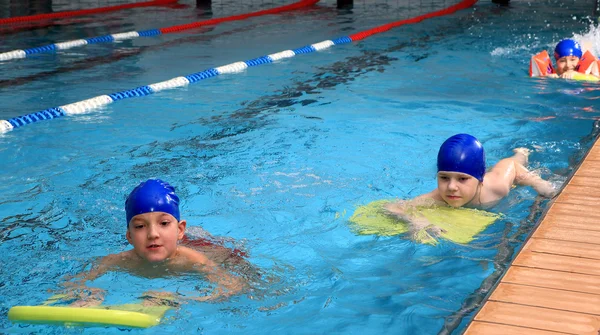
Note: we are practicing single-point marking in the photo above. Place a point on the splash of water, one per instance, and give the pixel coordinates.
(590, 40)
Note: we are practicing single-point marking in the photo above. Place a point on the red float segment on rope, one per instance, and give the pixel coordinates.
(459, 6)
(296, 5)
(59, 15)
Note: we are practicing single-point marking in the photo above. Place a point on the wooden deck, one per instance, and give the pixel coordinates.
(553, 285)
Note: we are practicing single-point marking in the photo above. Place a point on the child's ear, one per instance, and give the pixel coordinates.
(128, 236)
(181, 226)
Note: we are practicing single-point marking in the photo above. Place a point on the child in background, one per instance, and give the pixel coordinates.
(567, 54)
(572, 62)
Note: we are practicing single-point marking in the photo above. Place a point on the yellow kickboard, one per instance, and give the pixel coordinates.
(129, 315)
(585, 77)
(460, 224)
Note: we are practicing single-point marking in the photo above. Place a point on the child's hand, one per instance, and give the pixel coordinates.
(546, 190)
(417, 225)
(216, 295)
(552, 75)
(225, 289)
(83, 296)
(398, 209)
(568, 75)
(154, 298)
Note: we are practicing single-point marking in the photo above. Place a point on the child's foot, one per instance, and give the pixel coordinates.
(522, 155)
(546, 190)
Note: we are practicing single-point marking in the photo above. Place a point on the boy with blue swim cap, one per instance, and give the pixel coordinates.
(462, 180)
(567, 54)
(154, 228)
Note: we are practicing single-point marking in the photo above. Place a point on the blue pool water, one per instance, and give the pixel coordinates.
(275, 160)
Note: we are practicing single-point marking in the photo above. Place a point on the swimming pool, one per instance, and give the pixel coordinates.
(279, 156)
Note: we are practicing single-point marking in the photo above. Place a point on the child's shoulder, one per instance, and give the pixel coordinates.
(118, 258)
(190, 255)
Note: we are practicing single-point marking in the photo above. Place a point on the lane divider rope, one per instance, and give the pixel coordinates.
(51, 48)
(82, 12)
(88, 105)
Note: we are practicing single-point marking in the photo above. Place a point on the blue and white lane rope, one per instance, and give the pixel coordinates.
(17, 54)
(88, 105)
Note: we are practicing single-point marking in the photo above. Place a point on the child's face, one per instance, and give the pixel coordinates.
(457, 189)
(154, 235)
(566, 63)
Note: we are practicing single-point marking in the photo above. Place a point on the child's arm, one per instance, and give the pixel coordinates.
(227, 284)
(89, 296)
(406, 210)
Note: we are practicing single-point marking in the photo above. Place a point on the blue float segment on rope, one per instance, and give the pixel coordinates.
(342, 40)
(42, 49)
(100, 39)
(259, 61)
(136, 92)
(194, 77)
(46, 114)
(52, 113)
(151, 32)
(304, 50)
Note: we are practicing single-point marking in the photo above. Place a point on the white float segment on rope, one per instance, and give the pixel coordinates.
(70, 44)
(281, 55)
(232, 68)
(5, 126)
(125, 36)
(322, 45)
(169, 84)
(87, 105)
(15, 54)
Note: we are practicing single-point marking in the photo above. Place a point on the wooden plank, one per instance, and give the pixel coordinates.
(589, 168)
(539, 318)
(570, 221)
(553, 279)
(558, 263)
(576, 211)
(567, 234)
(589, 189)
(547, 298)
(594, 153)
(584, 181)
(485, 328)
(580, 195)
(565, 248)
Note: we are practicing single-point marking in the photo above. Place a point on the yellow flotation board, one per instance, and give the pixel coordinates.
(460, 224)
(585, 77)
(128, 315)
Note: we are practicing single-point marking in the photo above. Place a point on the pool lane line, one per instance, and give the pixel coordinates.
(82, 12)
(116, 55)
(51, 48)
(88, 105)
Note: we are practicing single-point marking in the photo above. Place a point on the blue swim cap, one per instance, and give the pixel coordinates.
(153, 195)
(462, 153)
(567, 48)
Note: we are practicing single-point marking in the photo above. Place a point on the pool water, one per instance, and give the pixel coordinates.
(275, 160)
